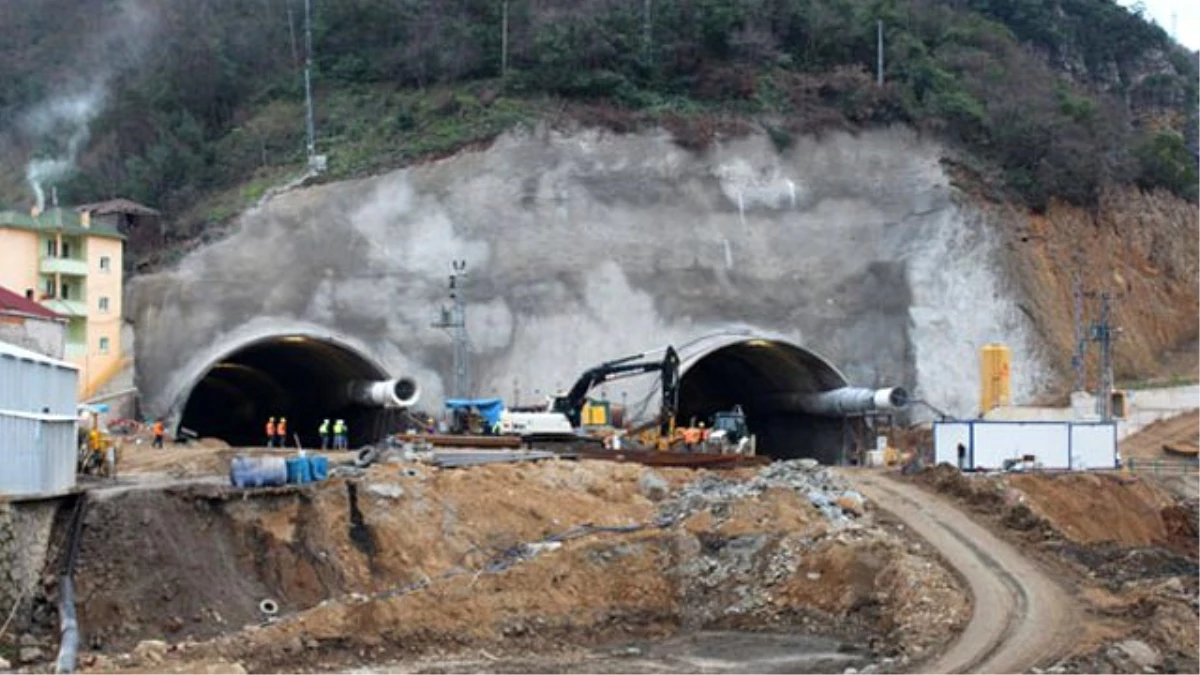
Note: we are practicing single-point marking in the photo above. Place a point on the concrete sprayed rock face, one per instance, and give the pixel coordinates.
(588, 246)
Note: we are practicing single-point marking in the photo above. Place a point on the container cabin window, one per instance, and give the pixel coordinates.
(103, 345)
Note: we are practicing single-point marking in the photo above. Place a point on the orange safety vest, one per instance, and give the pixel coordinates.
(691, 436)
(270, 428)
(282, 429)
(158, 428)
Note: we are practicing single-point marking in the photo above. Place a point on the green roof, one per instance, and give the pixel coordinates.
(48, 222)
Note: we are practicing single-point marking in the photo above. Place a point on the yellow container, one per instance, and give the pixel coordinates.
(995, 375)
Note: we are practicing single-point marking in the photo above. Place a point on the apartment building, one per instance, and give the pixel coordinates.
(73, 267)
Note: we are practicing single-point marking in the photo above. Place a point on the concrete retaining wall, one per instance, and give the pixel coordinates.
(586, 246)
(25, 529)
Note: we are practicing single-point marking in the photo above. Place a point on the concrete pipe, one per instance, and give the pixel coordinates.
(401, 392)
(852, 400)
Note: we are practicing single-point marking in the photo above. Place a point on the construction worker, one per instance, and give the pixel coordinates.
(703, 440)
(339, 435)
(271, 433)
(323, 431)
(691, 438)
(281, 432)
(158, 433)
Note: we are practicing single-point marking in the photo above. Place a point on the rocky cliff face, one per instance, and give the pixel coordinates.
(587, 246)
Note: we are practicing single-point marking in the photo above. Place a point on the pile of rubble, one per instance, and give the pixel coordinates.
(815, 483)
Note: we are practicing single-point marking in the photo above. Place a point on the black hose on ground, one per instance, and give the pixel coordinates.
(68, 648)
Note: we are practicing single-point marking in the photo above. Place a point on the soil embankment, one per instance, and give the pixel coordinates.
(1123, 545)
(1138, 247)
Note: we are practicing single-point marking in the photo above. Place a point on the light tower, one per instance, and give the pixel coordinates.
(453, 320)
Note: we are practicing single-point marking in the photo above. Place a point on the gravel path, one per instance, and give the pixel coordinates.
(1021, 616)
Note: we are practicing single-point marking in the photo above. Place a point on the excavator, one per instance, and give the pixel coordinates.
(564, 412)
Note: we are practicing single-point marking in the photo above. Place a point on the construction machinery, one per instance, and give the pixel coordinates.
(730, 434)
(563, 414)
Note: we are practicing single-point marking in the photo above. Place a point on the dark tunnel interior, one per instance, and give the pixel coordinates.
(748, 374)
(302, 379)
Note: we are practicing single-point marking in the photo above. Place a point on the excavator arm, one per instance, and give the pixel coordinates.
(571, 404)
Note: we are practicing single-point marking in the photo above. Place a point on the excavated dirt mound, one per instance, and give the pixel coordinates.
(406, 561)
(1091, 508)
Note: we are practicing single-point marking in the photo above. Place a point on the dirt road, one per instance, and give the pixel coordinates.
(1021, 616)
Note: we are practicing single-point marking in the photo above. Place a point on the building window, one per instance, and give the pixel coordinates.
(103, 345)
(66, 292)
(66, 249)
(105, 263)
(50, 288)
(104, 305)
(51, 248)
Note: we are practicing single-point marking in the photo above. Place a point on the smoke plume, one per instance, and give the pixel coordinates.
(61, 125)
(68, 116)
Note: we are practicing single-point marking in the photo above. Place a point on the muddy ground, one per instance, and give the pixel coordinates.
(1126, 546)
(554, 566)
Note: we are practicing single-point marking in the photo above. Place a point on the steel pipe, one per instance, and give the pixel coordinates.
(837, 402)
(401, 392)
(852, 400)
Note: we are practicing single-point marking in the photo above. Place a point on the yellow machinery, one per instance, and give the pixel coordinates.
(596, 413)
(94, 448)
(995, 377)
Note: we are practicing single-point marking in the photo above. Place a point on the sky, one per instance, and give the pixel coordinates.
(1186, 16)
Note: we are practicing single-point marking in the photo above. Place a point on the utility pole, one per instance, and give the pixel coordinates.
(647, 37)
(453, 320)
(504, 39)
(292, 33)
(1103, 332)
(310, 124)
(1077, 360)
(879, 52)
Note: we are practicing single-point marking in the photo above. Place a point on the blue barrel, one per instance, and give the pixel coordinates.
(247, 471)
(298, 471)
(319, 466)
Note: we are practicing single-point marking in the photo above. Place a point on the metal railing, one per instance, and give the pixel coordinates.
(1161, 467)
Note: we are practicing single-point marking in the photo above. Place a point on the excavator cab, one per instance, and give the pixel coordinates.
(730, 432)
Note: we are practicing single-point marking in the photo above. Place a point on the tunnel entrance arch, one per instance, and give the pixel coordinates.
(767, 377)
(303, 378)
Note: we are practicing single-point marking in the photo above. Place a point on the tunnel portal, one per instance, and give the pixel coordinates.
(765, 377)
(302, 378)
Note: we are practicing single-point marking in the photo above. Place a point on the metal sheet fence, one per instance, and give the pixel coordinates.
(37, 454)
(33, 383)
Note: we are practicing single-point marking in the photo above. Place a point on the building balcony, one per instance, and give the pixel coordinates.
(72, 266)
(75, 308)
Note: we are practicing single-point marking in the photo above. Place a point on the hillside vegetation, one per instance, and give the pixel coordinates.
(196, 106)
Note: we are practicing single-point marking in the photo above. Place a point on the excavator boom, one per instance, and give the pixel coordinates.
(571, 404)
